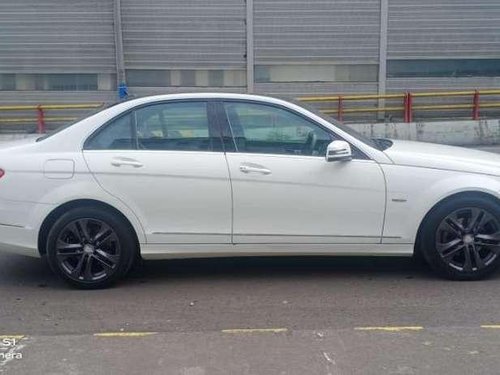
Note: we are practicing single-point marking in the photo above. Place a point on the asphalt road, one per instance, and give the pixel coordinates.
(250, 316)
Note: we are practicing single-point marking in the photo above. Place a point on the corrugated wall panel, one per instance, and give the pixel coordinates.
(56, 36)
(189, 34)
(444, 29)
(297, 31)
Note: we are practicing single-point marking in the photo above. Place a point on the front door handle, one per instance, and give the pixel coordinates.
(118, 162)
(254, 169)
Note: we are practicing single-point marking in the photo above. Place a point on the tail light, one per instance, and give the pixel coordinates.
(2, 172)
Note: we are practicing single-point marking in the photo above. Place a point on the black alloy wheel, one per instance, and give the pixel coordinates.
(88, 250)
(90, 247)
(460, 238)
(468, 239)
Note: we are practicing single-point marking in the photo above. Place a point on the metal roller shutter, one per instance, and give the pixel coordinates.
(334, 31)
(190, 34)
(443, 29)
(56, 36)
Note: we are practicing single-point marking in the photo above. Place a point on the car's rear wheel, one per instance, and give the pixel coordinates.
(461, 238)
(90, 248)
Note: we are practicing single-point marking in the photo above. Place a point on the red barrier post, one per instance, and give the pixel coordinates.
(40, 123)
(410, 107)
(405, 105)
(475, 106)
(340, 109)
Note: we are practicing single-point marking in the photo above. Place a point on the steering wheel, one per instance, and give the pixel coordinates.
(310, 145)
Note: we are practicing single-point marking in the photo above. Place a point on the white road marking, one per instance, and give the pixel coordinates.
(13, 352)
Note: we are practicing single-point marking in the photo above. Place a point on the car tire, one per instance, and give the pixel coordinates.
(460, 239)
(90, 247)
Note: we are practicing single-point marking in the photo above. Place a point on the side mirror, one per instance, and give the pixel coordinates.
(338, 151)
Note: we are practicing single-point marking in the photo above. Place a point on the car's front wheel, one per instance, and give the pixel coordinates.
(461, 238)
(90, 247)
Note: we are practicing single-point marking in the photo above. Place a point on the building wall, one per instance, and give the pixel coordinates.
(321, 46)
(184, 44)
(52, 45)
(461, 31)
(64, 50)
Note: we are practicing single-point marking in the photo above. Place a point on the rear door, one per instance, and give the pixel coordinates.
(165, 161)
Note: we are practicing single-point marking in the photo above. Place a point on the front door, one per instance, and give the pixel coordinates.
(284, 191)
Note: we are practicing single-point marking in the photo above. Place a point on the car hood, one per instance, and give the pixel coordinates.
(430, 155)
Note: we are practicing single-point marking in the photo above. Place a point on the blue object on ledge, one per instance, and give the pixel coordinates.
(122, 91)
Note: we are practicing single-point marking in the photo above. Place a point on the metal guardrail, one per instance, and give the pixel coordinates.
(407, 106)
(40, 117)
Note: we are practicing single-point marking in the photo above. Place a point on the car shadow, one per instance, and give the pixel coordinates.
(281, 267)
(23, 271)
(17, 270)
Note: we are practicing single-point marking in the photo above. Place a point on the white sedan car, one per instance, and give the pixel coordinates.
(206, 175)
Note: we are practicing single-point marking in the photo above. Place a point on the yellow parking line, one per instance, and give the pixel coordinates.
(255, 330)
(390, 328)
(17, 337)
(491, 326)
(124, 334)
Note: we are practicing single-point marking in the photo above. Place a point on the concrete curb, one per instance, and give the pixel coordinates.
(462, 133)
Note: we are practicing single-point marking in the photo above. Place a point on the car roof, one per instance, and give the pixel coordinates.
(206, 95)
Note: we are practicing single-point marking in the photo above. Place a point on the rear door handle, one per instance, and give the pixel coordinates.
(254, 169)
(118, 162)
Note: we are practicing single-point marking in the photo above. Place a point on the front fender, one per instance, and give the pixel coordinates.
(413, 191)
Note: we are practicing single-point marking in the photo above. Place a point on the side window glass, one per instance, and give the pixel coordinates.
(173, 126)
(116, 135)
(259, 128)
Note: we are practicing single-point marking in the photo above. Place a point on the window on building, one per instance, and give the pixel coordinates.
(316, 73)
(66, 82)
(148, 78)
(216, 78)
(186, 78)
(443, 68)
(56, 82)
(7, 82)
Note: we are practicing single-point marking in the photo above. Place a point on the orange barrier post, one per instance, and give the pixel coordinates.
(410, 107)
(406, 110)
(476, 105)
(40, 120)
(340, 109)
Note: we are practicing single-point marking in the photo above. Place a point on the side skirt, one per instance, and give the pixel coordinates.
(177, 251)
